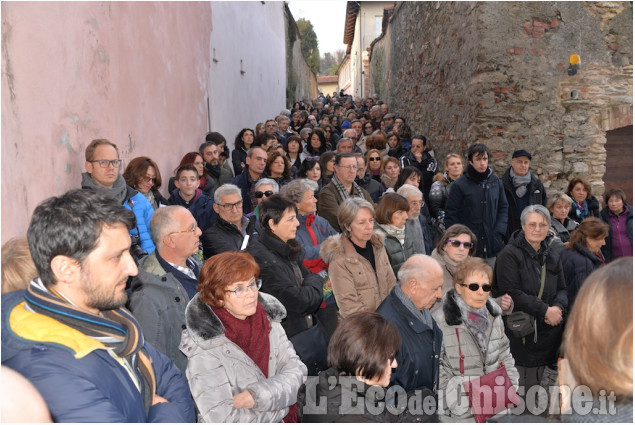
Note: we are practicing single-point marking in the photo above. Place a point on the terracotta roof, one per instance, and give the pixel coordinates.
(352, 9)
(327, 79)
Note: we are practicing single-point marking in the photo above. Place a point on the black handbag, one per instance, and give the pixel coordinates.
(311, 346)
(521, 324)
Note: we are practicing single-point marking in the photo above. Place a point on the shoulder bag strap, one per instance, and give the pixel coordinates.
(461, 365)
(543, 274)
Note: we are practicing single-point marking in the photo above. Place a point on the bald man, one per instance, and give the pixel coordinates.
(408, 308)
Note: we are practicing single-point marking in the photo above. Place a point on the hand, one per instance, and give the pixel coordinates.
(418, 156)
(244, 400)
(553, 316)
(506, 302)
(158, 399)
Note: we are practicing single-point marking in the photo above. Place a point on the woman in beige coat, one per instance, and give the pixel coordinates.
(472, 326)
(241, 366)
(359, 268)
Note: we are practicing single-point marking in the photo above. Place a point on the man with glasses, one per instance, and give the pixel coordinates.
(102, 175)
(408, 308)
(167, 280)
(246, 181)
(233, 230)
(341, 187)
(374, 188)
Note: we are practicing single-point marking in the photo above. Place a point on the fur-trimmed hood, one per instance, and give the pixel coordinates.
(204, 325)
(452, 311)
(335, 246)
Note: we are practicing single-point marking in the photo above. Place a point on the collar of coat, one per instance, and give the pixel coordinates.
(452, 312)
(205, 325)
(339, 244)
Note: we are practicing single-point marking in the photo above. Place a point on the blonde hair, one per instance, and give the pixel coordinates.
(17, 265)
(598, 338)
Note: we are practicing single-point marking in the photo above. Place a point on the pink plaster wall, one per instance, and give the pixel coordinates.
(132, 72)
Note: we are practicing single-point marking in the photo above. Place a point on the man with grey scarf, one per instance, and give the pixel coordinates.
(102, 176)
(522, 189)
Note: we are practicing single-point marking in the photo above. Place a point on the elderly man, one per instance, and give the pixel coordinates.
(341, 187)
(102, 176)
(407, 307)
(522, 188)
(232, 230)
(68, 332)
(344, 145)
(254, 170)
(167, 280)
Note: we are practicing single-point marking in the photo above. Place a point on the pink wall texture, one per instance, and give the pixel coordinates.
(135, 73)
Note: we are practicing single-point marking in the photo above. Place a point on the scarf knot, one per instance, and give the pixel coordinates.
(520, 182)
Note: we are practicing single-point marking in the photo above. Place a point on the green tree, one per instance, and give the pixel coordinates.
(309, 45)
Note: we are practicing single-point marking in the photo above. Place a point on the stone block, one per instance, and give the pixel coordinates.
(580, 167)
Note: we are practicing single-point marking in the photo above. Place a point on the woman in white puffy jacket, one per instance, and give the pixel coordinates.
(236, 373)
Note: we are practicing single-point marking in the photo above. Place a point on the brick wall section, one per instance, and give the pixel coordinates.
(496, 72)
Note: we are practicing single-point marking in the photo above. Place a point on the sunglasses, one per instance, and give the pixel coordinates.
(266, 194)
(474, 286)
(374, 158)
(456, 244)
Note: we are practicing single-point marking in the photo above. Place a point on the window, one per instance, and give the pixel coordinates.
(378, 20)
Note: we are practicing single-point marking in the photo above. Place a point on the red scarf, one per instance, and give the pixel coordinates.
(315, 265)
(249, 334)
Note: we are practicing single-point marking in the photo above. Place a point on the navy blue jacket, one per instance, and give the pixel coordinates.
(242, 181)
(535, 195)
(481, 206)
(577, 265)
(202, 208)
(93, 387)
(418, 357)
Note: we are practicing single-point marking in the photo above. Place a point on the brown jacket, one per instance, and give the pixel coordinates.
(356, 286)
(329, 201)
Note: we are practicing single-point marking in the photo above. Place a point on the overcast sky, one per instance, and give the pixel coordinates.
(327, 17)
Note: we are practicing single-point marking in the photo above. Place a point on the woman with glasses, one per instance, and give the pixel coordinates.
(528, 260)
(206, 184)
(284, 276)
(143, 174)
(373, 164)
(457, 244)
(474, 340)
(241, 365)
(368, 128)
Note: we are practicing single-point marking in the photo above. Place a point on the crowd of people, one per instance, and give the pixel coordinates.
(327, 244)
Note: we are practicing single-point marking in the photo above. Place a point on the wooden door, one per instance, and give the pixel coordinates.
(619, 161)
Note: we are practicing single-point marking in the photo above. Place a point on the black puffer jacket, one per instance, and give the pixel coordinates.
(224, 236)
(577, 264)
(517, 272)
(278, 279)
(536, 195)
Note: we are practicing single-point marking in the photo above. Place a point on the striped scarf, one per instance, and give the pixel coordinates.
(342, 190)
(117, 329)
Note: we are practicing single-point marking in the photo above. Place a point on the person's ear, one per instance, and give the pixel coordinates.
(89, 167)
(65, 269)
(177, 183)
(168, 241)
(216, 208)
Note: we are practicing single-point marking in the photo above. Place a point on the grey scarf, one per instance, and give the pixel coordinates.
(423, 315)
(119, 188)
(396, 232)
(150, 197)
(476, 321)
(520, 182)
(342, 190)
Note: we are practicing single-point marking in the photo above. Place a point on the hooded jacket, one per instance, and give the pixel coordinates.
(79, 378)
(218, 369)
(450, 320)
(356, 286)
(481, 206)
(517, 272)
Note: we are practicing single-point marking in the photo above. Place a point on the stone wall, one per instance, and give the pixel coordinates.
(301, 80)
(496, 72)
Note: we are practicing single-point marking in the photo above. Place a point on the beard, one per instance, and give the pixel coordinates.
(102, 296)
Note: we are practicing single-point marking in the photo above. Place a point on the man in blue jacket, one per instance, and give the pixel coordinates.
(408, 308)
(68, 332)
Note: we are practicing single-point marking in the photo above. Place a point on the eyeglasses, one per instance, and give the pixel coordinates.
(241, 291)
(104, 163)
(417, 204)
(192, 229)
(474, 286)
(229, 207)
(266, 194)
(148, 179)
(455, 243)
(348, 167)
(540, 226)
(374, 158)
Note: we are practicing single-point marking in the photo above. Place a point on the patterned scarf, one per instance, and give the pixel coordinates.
(117, 329)
(357, 191)
(477, 322)
(581, 210)
(398, 233)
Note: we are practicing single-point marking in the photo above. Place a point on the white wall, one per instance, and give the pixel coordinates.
(254, 33)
